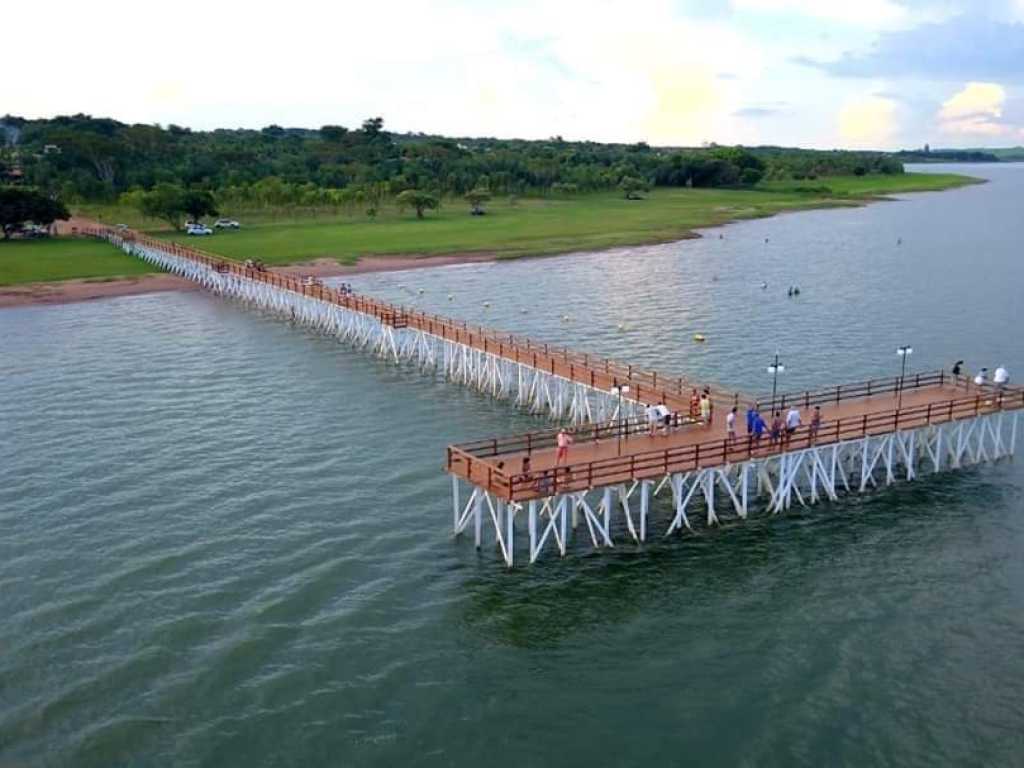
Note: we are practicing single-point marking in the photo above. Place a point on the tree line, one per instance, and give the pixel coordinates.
(82, 158)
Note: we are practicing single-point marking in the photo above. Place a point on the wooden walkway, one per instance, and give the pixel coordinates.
(609, 454)
(594, 371)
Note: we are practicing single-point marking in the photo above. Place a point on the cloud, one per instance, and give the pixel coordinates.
(976, 110)
(767, 109)
(869, 13)
(961, 47)
(867, 122)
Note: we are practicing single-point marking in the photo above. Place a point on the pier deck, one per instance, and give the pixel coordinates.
(871, 433)
(613, 453)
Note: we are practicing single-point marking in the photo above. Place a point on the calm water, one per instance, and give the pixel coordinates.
(225, 540)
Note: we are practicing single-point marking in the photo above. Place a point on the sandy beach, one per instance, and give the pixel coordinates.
(67, 291)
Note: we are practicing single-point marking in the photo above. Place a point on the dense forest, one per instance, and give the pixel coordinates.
(82, 158)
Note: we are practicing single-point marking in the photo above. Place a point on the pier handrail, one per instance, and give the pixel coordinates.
(855, 391)
(515, 486)
(583, 368)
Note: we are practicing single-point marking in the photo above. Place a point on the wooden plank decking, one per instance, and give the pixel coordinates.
(600, 458)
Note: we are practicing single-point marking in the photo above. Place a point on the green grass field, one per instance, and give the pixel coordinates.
(534, 227)
(64, 258)
(529, 227)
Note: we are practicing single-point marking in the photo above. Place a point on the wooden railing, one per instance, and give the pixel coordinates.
(592, 370)
(514, 485)
(856, 391)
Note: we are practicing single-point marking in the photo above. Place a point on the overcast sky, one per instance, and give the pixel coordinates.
(820, 73)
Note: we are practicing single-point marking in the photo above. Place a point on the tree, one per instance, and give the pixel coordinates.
(414, 198)
(632, 187)
(477, 197)
(333, 133)
(198, 204)
(19, 206)
(165, 202)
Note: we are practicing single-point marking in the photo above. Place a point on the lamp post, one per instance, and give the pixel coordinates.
(775, 369)
(618, 389)
(904, 352)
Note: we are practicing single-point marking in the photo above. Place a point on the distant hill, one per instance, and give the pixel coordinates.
(928, 155)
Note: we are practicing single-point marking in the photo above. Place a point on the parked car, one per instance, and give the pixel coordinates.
(226, 224)
(33, 231)
(192, 228)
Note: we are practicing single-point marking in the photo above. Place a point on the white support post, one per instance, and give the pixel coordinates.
(478, 509)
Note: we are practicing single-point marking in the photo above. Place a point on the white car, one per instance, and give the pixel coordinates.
(197, 229)
(226, 224)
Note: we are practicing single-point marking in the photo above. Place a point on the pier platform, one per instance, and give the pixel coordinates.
(870, 434)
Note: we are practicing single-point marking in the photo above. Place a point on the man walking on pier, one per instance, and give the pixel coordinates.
(792, 422)
(564, 440)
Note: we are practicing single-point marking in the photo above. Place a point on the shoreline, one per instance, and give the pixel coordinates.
(89, 289)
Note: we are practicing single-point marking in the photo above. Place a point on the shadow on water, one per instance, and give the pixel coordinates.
(543, 605)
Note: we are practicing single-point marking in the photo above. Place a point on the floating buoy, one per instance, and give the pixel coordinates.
(764, 286)
(621, 327)
(421, 290)
(487, 303)
(565, 318)
(699, 337)
(449, 297)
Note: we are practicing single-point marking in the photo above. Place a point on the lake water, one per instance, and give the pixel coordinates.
(225, 539)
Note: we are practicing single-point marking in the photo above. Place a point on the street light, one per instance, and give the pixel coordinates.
(618, 389)
(775, 369)
(904, 352)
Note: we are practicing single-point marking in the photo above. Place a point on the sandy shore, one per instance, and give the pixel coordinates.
(67, 291)
(331, 268)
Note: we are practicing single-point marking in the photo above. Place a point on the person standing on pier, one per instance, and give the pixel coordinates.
(979, 380)
(694, 405)
(815, 423)
(564, 440)
(759, 427)
(752, 414)
(792, 422)
(776, 434)
(705, 410)
(651, 412)
(1000, 377)
(730, 424)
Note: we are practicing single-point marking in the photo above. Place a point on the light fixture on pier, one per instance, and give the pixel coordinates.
(904, 352)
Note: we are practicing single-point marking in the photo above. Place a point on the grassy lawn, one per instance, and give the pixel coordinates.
(532, 227)
(32, 261)
(528, 227)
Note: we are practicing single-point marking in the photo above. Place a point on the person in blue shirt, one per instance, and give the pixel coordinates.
(751, 416)
(758, 428)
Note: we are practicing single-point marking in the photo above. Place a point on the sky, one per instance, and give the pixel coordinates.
(872, 74)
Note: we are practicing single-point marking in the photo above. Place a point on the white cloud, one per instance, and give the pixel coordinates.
(975, 110)
(868, 122)
(532, 69)
(866, 13)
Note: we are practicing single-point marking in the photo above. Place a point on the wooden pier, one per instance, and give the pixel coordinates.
(869, 434)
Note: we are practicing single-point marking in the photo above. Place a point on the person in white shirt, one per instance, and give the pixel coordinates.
(792, 421)
(664, 416)
(651, 411)
(730, 424)
(979, 380)
(1000, 377)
